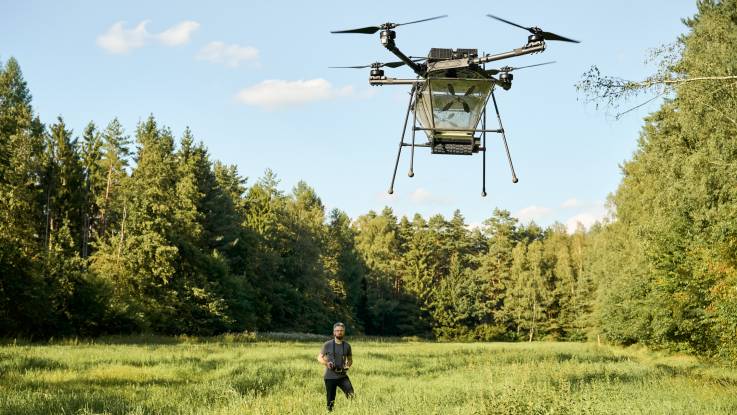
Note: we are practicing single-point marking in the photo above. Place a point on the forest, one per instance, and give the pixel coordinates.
(111, 231)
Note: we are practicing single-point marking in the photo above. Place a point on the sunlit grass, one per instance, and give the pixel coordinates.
(227, 376)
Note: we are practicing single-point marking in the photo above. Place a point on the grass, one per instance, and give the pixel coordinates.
(231, 376)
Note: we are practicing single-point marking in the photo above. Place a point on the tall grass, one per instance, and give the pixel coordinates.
(237, 376)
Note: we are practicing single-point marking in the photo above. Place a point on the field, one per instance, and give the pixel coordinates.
(226, 376)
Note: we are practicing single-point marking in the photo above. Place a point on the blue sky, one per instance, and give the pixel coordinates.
(251, 81)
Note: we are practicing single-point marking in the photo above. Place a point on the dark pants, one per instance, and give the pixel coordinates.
(331, 386)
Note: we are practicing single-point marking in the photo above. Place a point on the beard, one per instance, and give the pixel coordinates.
(339, 336)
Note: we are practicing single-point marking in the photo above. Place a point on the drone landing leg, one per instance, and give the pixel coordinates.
(401, 139)
(412, 153)
(483, 166)
(504, 137)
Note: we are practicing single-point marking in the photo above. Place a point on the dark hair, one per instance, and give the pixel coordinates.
(338, 324)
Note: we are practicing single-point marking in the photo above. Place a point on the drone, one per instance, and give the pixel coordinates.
(449, 96)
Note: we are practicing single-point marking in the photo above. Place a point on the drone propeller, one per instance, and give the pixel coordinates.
(369, 30)
(377, 65)
(459, 99)
(373, 65)
(536, 31)
(510, 68)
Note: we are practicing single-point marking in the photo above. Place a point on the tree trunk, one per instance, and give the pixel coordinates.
(122, 231)
(103, 213)
(534, 315)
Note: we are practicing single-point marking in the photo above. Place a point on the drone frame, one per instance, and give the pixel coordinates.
(414, 96)
(535, 44)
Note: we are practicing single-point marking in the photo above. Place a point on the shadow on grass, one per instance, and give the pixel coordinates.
(381, 356)
(563, 357)
(84, 385)
(693, 372)
(199, 363)
(590, 358)
(578, 381)
(261, 381)
(23, 364)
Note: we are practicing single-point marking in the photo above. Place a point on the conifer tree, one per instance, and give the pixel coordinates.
(63, 184)
(22, 289)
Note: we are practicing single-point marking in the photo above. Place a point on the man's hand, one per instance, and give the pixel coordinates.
(322, 359)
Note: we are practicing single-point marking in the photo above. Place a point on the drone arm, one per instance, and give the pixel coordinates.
(529, 48)
(395, 81)
(387, 39)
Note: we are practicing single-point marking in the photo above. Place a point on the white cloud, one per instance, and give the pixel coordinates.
(571, 203)
(422, 196)
(274, 93)
(586, 218)
(118, 39)
(533, 213)
(179, 34)
(228, 55)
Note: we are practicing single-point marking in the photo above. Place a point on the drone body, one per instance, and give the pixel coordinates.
(450, 93)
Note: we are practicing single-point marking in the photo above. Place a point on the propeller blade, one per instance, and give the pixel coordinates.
(423, 20)
(448, 105)
(529, 29)
(509, 69)
(470, 91)
(349, 67)
(465, 106)
(372, 65)
(531, 66)
(394, 64)
(370, 30)
(536, 30)
(451, 89)
(553, 36)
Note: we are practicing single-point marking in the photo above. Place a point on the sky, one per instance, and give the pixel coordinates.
(251, 80)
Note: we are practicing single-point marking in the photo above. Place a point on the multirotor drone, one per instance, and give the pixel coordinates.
(451, 91)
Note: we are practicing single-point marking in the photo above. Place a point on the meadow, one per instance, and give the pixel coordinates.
(227, 375)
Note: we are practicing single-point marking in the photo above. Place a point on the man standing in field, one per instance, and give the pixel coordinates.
(337, 357)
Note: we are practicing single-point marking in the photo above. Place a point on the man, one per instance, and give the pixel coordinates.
(337, 357)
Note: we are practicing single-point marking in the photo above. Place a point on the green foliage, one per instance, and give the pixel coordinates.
(666, 264)
(177, 243)
(22, 230)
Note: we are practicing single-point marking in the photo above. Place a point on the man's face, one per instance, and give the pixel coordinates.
(339, 332)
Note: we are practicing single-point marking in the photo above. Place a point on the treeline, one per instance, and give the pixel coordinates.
(668, 262)
(104, 233)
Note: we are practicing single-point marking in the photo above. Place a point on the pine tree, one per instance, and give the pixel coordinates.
(63, 184)
(107, 179)
(139, 260)
(227, 237)
(495, 267)
(344, 269)
(91, 155)
(22, 289)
